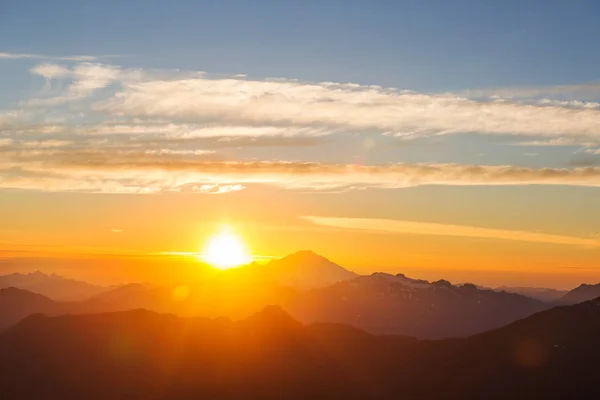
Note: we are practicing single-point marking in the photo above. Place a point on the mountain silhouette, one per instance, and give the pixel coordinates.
(53, 286)
(16, 304)
(142, 354)
(131, 296)
(303, 270)
(394, 304)
(580, 294)
(548, 295)
(380, 303)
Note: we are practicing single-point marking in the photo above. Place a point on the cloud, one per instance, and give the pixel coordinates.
(86, 79)
(51, 71)
(126, 130)
(584, 161)
(29, 56)
(190, 131)
(425, 228)
(145, 171)
(216, 188)
(199, 104)
(342, 106)
(569, 103)
(556, 142)
(579, 94)
(9, 119)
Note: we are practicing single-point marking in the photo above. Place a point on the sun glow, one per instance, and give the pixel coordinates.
(226, 250)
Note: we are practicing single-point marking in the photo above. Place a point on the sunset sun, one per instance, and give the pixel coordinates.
(226, 250)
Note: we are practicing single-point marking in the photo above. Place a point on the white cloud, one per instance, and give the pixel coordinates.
(556, 142)
(568, 103)
(6, 142)
(425, 228)
(348, 106)
(197, 104)
(578, 92)
(51, 71)
(8, 119)
(147, 136)
(86, 79)
(172, 130)
(46, 143)
(118, 170)
(21, 56)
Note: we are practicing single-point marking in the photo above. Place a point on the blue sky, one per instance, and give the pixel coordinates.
(418, 45)
(426, 46)
(461, 111)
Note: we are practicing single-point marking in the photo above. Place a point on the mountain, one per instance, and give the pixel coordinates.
(54, 286)
(16, 304)
(141, 354)
(130, 296)
(543, 294)
(304, 270)
(580, 294)
(394, 304)
(380, 303)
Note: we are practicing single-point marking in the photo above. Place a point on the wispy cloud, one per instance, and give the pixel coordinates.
(189, 131)
(577, 94)
(425, 228)
(556, 142)
(117, 170)
(30, 56)
(200, 100)
(74, 58)
(86, 79)
(348, 106)
(147, 131)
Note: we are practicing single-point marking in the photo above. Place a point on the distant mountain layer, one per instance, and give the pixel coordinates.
(543, 294)
(312, 289)
(581, 293)
(140, 354)
(379, 303)
(16, 304)
(394, 304)
(53, 286)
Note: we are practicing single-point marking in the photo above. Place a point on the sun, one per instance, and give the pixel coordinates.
(226, 250)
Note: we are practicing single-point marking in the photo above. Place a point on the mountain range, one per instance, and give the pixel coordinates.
(308, 286)
(54, 286)
(580, 294)
(140, 354)
(547, 295)
(394, 304)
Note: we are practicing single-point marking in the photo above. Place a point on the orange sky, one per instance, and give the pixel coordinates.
(118, 238)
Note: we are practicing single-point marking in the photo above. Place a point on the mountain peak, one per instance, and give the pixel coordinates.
(15, 291)
(442, 282)
(273, 316)
(307, 269)
(304, 255)
(581, 293)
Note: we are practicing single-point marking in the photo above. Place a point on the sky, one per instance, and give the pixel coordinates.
(456, 140)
